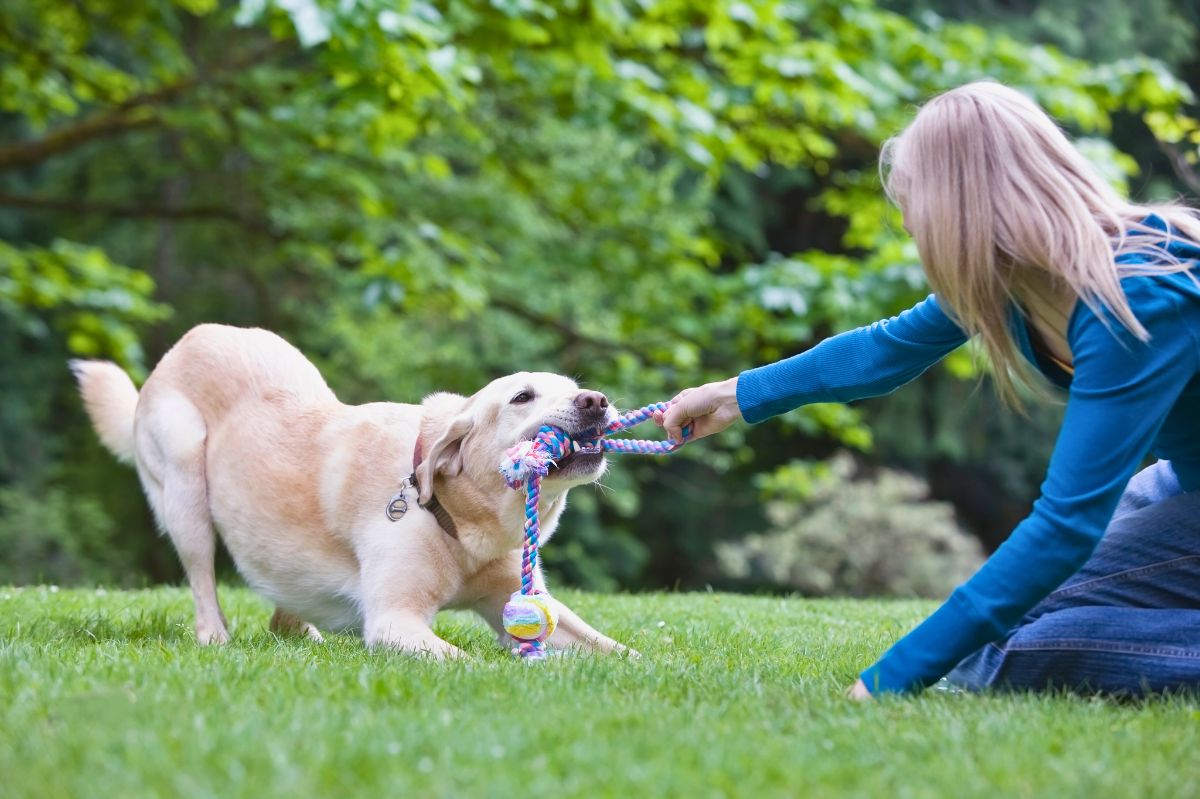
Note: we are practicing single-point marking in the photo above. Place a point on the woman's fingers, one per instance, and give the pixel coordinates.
(674, 427)
(674, 420)
(704, 410)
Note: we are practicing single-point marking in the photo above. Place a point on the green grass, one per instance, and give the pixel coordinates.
(106, 694)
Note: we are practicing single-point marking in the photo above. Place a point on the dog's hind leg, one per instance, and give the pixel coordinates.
(284, 623)
(170, 447)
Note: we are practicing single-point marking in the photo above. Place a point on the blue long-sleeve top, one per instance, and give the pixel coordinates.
(1126, 398)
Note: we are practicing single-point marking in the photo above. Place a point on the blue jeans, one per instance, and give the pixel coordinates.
(1128, 622)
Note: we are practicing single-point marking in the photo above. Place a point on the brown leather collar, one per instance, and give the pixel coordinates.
(444, 520)
(433, 506)
(398, 506)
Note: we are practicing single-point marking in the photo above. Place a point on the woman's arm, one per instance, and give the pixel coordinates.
(867, 362)
(1121, 392)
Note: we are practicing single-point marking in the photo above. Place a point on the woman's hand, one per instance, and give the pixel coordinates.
(858, 692)
(706, 409)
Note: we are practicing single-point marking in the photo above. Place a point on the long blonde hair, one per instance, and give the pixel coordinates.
(1000, 204)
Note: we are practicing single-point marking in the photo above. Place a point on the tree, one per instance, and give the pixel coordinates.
(423, 195)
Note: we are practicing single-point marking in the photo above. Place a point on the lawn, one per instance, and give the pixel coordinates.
(106, 694)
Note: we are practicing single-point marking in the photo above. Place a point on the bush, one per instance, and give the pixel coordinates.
(873, 536)
(58, 537)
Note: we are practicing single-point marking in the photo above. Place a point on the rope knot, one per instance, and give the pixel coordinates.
(527, 459)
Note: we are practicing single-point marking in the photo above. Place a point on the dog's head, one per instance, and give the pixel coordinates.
(471, 434)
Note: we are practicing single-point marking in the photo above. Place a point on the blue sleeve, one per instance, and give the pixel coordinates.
(1122, 391)
(866, 362)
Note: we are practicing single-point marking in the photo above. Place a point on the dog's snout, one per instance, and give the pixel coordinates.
(592, 401)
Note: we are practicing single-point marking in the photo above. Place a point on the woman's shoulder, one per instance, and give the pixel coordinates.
(1154, 240)
(1164, 289)
(1159, 267)
(1164, 303)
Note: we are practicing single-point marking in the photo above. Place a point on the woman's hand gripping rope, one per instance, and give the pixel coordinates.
(703, 410)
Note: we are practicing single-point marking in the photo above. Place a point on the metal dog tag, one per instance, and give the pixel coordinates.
(397, 506)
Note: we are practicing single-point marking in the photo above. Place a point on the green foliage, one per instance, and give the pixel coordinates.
(866, 536)
(1098, 30)
(423, 195)
(78, 293)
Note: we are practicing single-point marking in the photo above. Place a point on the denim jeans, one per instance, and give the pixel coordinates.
(1128, 622)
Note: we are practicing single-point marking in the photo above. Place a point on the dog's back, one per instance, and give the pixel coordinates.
(217, 366)
(213, 366)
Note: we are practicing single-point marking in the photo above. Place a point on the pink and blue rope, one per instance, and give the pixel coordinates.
(639, 446)
(530, 462)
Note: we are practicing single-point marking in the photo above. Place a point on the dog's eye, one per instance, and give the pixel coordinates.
(523, 397)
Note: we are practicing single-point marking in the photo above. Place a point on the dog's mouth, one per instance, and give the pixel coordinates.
(585, 459)
(577, 464)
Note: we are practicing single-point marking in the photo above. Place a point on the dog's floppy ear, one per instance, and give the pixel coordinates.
(444, 455)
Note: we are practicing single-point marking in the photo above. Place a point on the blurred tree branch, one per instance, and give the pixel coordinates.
(149, 211)
(103, 124)
(570, 335)
(1186, 171)
(136, 113)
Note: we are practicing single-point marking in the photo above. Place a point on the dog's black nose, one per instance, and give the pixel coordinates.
(591, 401)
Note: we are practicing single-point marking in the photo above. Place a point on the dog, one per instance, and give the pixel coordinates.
(236, 430)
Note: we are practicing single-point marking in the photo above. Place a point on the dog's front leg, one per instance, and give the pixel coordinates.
(406, 579)
(407, 632)
(574, 631)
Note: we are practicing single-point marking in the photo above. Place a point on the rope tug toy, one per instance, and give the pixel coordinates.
(529, 615)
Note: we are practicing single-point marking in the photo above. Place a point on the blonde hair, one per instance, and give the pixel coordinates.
(1001, 204)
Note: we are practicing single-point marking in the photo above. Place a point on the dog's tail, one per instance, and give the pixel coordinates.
(111, 399)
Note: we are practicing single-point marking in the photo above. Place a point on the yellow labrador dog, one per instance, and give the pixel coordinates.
(236, 428)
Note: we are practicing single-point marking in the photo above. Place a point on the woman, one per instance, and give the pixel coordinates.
(1028, 249)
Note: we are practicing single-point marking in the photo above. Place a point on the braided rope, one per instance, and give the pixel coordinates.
(640, 446)
(529, 616)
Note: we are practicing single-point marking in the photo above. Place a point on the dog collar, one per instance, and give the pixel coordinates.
(398, 506)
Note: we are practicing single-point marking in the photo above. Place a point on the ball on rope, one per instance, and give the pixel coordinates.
(529, 617)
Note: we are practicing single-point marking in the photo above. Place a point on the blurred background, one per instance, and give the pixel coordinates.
(643, 194)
